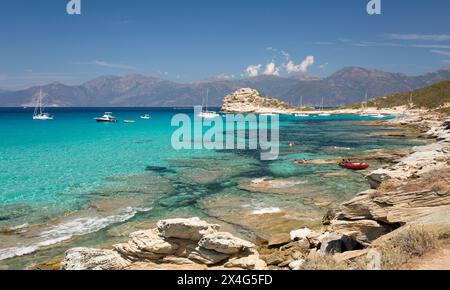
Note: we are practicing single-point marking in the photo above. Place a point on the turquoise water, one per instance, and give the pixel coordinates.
(73, 178)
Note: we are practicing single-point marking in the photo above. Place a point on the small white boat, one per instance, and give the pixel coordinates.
(106, 118)
(364, 107)
(321, 109)
(39, 113)
(205, 114)
(129, 121)
(208, 115)
(146, 117)
(301, 115)
(378, 116)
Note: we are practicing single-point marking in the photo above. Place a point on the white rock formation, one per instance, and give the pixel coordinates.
(190, 229)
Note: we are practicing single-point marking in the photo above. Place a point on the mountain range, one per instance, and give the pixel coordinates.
(344, 87)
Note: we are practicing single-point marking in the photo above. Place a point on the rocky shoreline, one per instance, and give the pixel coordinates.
(415, 190)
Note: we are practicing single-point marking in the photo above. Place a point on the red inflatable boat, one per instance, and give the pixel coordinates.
(354, 166)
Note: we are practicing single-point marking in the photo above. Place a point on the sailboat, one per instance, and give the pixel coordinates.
(323, 114)
(301, 106)
(364, 107)
(39, 113)
(205, 113)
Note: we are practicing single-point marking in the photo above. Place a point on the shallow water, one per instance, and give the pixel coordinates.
(72, 182)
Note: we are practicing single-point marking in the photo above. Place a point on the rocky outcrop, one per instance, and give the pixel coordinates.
(192, 243)
(248, 100)
(190, 229)
(93, 259)
(415, 190)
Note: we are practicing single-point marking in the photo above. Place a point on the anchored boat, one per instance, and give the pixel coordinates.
(39, 113)
(106, 118)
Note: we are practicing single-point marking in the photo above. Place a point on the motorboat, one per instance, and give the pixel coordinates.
(354, 166)
(146, 117)
(107, 118)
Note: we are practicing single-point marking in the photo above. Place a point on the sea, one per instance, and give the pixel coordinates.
(74, 182)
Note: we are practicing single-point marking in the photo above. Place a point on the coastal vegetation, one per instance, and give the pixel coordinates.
(436, 96)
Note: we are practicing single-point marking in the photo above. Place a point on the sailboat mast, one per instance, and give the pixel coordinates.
(40, 101)
(207, 96)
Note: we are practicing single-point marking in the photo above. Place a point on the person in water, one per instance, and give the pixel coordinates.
(296, 162)
(304, 161)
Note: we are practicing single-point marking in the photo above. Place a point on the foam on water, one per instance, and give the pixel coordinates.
(66, 230)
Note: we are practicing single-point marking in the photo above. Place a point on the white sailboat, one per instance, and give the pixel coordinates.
(364, 107)
(301, 106)
(39, 113)
(321, 109)
(205, 113)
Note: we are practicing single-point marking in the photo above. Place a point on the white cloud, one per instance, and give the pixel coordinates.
(324, 65)
(106, 64)
(272, 69)
(302, 67)
(446, 61)
(427, 37)
(253, 70)
(225, 77)
(441, 52)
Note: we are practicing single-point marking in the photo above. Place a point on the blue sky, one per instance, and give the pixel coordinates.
(190, 40)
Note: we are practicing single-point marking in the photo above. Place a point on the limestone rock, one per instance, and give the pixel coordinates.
(190, 229)
(225, 243)
(150, 241)
(250, 262)
(296, 265)
(92, 259)
(279, 240)
(334, 243)
(301, 234)
(363, 231)
(207, 257)
(247, 100)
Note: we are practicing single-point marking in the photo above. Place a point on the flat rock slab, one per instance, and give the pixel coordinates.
(189, 229)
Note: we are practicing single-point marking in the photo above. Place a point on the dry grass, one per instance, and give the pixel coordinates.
(410, 243)
(322, 262)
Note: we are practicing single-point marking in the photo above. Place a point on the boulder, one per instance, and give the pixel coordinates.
(93, 259)
(375, 179)
(207, 257)
(296, 265)
(190, 229)
(225, 243)
(250, 262)
(301, 234)
(362, 231)
(334, 243)
(150, 241)
(279, 240)
(274, 259)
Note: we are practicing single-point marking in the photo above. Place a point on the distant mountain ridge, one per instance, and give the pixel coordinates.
(344, 87)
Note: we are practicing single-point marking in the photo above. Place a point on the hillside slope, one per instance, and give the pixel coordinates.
(430, 97)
